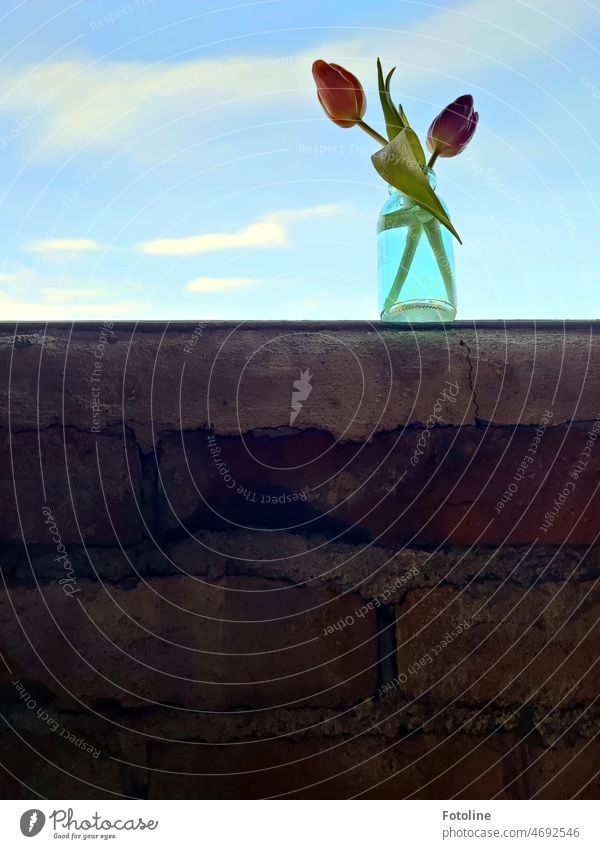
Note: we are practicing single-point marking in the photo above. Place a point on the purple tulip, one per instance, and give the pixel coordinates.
(453, 128)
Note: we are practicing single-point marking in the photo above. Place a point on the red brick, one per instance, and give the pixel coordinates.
(449, 494)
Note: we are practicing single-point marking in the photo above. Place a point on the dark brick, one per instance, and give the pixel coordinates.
(422, 767)
(90, 482)
(242, 643)
(55, 768)
(564, 771)
(522, 646)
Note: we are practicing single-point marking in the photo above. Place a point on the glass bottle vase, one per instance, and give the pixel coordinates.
(416, 262)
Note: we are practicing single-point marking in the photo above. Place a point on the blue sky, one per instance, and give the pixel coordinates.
(168, 160)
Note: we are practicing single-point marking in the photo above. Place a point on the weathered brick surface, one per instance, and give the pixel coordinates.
(304, 752)
(447, 494)
(520, 646)
(242, 643)
(422, 767)
(377, 572)
(211, 630)
(91, 483)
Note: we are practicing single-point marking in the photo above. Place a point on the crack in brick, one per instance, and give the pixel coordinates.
(474, 401)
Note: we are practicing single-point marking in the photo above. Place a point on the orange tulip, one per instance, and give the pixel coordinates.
(340, 93)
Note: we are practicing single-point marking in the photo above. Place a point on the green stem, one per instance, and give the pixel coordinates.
(413, 235)
(373, 133)
(434, 234)
(432, 158)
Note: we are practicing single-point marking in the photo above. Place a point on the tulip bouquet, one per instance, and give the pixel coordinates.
(402, 164)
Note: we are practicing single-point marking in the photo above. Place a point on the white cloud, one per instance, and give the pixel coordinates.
(5, 277)
(268, 232)
(101, 103)
(219, 284)
(65, 246)
(262, 234)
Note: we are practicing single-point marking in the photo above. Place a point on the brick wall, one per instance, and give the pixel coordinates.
(299, 560)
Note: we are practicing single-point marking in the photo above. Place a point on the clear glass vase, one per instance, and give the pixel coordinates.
(416, 262)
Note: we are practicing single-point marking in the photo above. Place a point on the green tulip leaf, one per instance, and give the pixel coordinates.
(388, 82)
(412, 137)
(415, 145)
(393, 122)
(398, 165)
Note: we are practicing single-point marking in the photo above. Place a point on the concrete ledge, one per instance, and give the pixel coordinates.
(366, 378)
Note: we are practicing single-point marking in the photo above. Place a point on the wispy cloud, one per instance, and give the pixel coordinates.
(99, 104)
(219, 284)
(65, 246)
(268, 232)
(15, 309)
(31, 294)
(290, 215)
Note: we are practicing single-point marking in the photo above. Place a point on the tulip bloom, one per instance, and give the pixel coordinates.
(340, 94)
(453, 128)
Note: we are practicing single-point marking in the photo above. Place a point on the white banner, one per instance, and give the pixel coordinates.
(298, 824)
